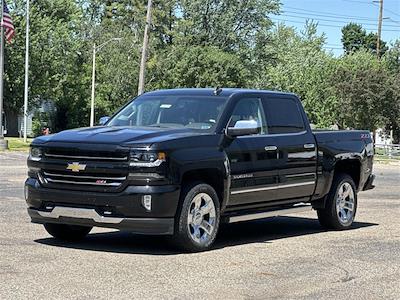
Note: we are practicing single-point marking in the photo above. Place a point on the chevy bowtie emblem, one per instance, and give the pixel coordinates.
(76, 167)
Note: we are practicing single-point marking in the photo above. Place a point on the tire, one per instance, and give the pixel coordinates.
(341, 204)
(198, 218)
(67, 232)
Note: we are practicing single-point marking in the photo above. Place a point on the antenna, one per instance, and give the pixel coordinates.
(217, 91)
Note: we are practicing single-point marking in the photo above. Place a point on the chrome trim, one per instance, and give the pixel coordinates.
(272, 187)
(84, 177)
(268, 214)
(79, 213)
(146, 175)
(300, 175)
(30, 157)
(273, 134)
(86, 157)
(83, 183)
(153, 164)
(309, 146)
(270, 148)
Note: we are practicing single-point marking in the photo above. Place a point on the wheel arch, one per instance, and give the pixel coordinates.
(351, 167)
(214, 177)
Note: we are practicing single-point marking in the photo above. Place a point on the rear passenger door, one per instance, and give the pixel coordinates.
(297, 156)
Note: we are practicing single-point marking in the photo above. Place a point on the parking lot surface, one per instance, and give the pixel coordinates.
(287, 257)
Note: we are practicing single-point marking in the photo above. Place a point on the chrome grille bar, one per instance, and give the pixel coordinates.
(84, 177)
(115, 184)
(86, 157)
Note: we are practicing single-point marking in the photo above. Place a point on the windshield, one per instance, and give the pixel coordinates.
(179, 111)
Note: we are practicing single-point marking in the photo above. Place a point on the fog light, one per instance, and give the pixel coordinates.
(146, 202)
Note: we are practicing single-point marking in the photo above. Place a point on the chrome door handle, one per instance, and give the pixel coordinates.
(309, 146)
(271, 148)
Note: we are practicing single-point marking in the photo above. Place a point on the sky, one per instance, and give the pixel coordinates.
(331, 15)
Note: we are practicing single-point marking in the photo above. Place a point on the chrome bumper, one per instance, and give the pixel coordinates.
(90, 217)
(79, 213)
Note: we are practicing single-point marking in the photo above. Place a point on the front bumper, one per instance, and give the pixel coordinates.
(89, 217)
(122, 210)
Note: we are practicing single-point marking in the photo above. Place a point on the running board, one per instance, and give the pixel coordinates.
(268, 214)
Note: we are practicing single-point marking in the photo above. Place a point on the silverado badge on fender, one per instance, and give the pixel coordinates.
(76, 167)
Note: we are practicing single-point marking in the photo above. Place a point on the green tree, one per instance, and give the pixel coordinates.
(392, 57)
(56, 60)
(197, 66)
(228, 24)
(355, 38)
(301, 66)
(367, 92)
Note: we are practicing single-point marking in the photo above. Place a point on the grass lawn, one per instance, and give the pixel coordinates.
(17, 144)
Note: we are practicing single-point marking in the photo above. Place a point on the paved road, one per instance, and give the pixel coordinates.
(286, 257)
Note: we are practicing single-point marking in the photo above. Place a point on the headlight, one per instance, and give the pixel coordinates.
(146, 159)
(35, 153)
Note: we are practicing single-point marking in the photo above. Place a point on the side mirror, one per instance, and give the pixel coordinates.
(243, 127)
(104, 120)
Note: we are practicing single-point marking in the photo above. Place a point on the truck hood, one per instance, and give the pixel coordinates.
(124, 136)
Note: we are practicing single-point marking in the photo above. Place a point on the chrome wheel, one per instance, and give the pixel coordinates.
(345, 203)
(201, 218)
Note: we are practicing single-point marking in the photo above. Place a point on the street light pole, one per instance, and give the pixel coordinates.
(93, 86)
(26, 73)
(3, 142)
(95, 50)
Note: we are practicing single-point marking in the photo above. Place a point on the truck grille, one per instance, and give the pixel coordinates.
(99, 182)
(101, 171)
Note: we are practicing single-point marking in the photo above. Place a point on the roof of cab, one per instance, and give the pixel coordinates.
(226, 92)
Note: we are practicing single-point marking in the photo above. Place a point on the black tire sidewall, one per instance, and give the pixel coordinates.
(67, 232)
(182, 236)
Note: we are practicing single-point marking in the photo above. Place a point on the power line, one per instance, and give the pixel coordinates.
(372, 3)
(356, 19)
(390, 19)
(329, 25)
(329, 13)
(336, 21)
(356, 1)
(332, 48)
(388, 10)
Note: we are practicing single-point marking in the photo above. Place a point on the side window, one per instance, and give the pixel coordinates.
(283, 115)
(249, 109)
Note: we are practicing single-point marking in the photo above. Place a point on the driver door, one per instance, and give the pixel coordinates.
(253, 158)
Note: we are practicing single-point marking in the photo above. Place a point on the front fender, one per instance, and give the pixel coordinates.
(198, 159)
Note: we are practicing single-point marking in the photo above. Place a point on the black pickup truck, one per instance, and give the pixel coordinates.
(179, 162)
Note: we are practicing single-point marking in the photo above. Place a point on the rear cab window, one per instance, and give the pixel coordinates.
(283, 115)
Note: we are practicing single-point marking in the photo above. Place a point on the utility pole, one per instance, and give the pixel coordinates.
(26, 73)
(3, 142)
(142, 72)
(378, 42)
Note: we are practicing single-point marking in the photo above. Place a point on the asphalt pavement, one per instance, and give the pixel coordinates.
(284, 258)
